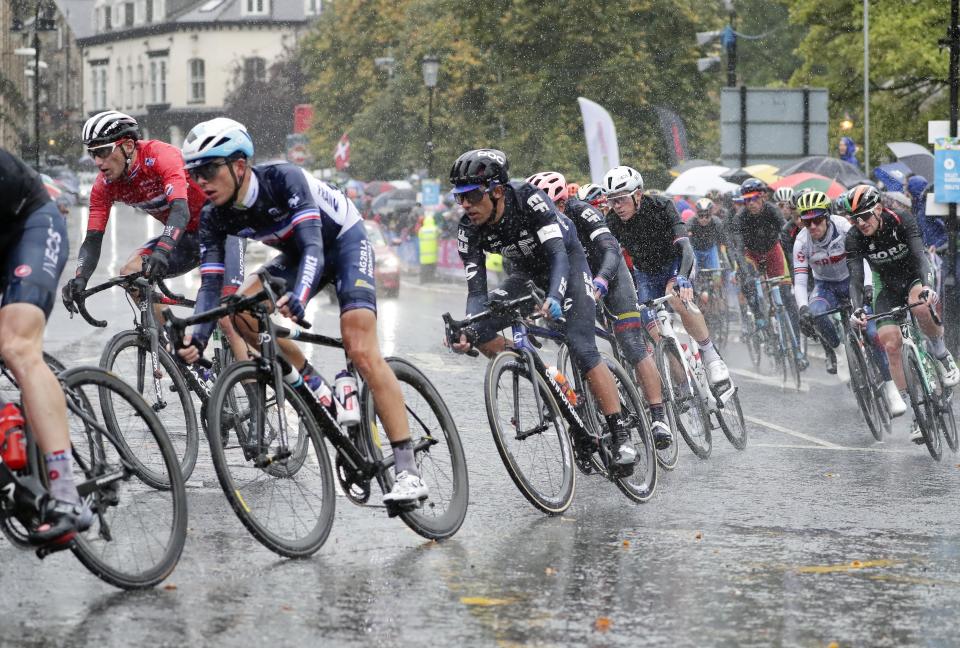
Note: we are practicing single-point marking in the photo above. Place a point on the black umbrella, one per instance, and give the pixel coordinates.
(915, 156)
(737, 176)
(829, 167)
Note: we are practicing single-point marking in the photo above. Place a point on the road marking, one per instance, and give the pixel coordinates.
(795, 446)
(794, 433)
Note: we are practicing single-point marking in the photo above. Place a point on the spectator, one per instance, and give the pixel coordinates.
(848, 151)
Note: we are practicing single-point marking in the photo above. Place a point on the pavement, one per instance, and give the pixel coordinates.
(814, 535)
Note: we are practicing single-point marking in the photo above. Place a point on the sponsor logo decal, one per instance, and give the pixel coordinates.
(23, 271)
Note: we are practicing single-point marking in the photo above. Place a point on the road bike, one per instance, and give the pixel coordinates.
(532, 417)
(932, 402)
(137, 496)
(771, 333)
(277, 475)
(712, 301)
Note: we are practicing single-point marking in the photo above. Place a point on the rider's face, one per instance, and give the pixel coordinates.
(754, 204)
(113, 165)
(818, 228)
(869, 226)
(219, 185)
(480, 209)
(624, 206)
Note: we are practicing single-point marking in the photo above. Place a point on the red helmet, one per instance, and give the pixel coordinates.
(552, 183)
(572, 189)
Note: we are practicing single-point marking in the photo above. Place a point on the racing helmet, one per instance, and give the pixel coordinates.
(109, 126)
(552, 183)
(216, 138)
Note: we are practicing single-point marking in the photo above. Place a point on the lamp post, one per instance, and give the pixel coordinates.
(41, 22)
(431, 66)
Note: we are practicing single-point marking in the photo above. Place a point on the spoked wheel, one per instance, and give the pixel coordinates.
(752, 338)
(272, 463)
(687, 411)
(587, 409)
(731, 419)
(128, 356)
(924, 409)
(791, 350)
(862, 389)
(945, 417)
(530, 433)
(437, 449)
(639, 485)
(139, 528)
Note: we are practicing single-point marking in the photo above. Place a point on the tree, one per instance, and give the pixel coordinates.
(908, 73)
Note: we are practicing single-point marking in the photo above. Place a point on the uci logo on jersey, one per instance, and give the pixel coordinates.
(492, 155)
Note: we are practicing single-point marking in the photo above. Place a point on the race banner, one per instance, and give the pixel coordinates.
(674, 134)
(601, 137)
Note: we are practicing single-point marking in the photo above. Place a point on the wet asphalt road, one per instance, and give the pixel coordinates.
(814, 534)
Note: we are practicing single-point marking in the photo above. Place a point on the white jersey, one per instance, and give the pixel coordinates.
(826, 259)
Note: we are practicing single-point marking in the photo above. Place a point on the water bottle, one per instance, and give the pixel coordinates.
(13, 445)
(346, 387)
(322, 392)
(565, 387)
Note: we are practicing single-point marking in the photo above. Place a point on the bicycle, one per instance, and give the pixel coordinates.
(866, 380)
(773, 335)
(129, 493)
(140, 356)
(690, 398)
(712, 298)
(539, 428)
(280, 458)
(932, 403)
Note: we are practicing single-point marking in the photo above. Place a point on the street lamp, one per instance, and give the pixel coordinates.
(42, 21)
(431, 66)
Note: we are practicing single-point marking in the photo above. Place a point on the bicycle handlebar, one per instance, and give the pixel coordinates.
(129, 280)
(494, 308)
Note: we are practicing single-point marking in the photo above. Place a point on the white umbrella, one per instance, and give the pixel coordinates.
(699, 180)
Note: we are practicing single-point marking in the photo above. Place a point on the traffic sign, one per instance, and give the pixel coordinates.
(946, 163)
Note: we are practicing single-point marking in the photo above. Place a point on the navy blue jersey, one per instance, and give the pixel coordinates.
(285, 208)
(603, 249)
(22, 190)
(532, 235)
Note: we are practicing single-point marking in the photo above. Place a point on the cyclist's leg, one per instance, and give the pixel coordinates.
(877, 348)
(776, 267)
(31, 271)
(826, 296)
(888, 332)
(947, 367)
(696, 325)
(748, 288)
(234, 268)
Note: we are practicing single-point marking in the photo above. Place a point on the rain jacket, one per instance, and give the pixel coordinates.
(933, 229)
(851, 154)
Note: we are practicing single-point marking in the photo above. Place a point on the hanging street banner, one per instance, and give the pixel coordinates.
(946, 165)
(601, 137)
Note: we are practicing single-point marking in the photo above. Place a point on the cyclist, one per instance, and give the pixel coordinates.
(593, 194)
(613, 284)
(893, 248)
(649, 228)
(520, 222)
(755, 234)
(35, 249)
(786, 202)
(707, 235)
(320, 237)
(820, 250)
(148, 175)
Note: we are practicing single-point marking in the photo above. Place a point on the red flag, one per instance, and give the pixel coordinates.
(341, 156)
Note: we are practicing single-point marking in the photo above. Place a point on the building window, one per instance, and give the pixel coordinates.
(118, 99)
(128, 14)
(158, 81)
(256, 7)
(148, 11)
(131, 87)
(254, 70)
(198, 83)
(313, 7)
(107, 18)
(99, 87)
(140, 85)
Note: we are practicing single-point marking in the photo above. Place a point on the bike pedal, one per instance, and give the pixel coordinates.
(57, 545)
(394, 509)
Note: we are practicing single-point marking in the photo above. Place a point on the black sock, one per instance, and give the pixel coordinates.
(658, 412)
(615, 422)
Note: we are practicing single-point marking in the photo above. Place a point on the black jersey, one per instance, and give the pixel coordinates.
(895, 252)
(756, 233)
(22, 190)
(654, 237)
(532, 236)
(704, 236)
(603, 250)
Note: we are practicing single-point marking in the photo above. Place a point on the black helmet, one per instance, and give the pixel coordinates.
(862, 199)
(480, 167)
(752, 185)
(108, 127)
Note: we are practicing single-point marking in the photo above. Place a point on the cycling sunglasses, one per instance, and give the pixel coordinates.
(863, 217)
(208, 171)
(473, 196)
(102, 151)
(817, 220)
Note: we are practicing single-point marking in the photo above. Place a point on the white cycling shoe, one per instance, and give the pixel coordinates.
(948, 371)
(717, 372)
(915, 434)
(895, 402)
(407, 488)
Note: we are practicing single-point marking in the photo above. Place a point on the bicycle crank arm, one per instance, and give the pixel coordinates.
(91, 485)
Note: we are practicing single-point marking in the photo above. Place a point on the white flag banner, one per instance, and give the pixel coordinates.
(601, 139)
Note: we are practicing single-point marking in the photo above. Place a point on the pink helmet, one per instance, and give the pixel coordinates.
(552, 183)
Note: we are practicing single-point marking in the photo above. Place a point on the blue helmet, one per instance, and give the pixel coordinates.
(217, 138)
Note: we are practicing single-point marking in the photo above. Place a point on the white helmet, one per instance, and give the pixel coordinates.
(109, 126)
(622, 180)
(221, 137)
(784, 195)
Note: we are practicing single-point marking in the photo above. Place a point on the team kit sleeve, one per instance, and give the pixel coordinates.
(89, 253)
(681, 240)
(474, 267)
(602, 239)
(306, 230)
(855, 265)
(175, 187)
(801, 270)
(546, 224)
(212, 255)
(918, 251)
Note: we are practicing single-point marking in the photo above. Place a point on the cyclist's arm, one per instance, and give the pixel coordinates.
(801, 273)
(550, 234)
(475, 269)
(175, 182)
(919, 252)
(176, 224)
(681, 240)
(855, 264)
(308, 237)
(89, 254)
(213, 247)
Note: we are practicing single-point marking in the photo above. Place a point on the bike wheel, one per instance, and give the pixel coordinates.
(128, 356)
(686, 409)
(533, 443)
(945, 417)
(731, 420)
(586, 402)
(753, 339)
(923, 406)
(438, 452)
(138, 530)
(283, 494)
(642, 483)
(862, 389)
(791, 349)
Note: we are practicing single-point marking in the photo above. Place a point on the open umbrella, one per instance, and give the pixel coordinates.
(765, 172)
(699, 180)
(892, 175)
(828, 167)
(915, 156)
(686, 165)
(800, 181)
